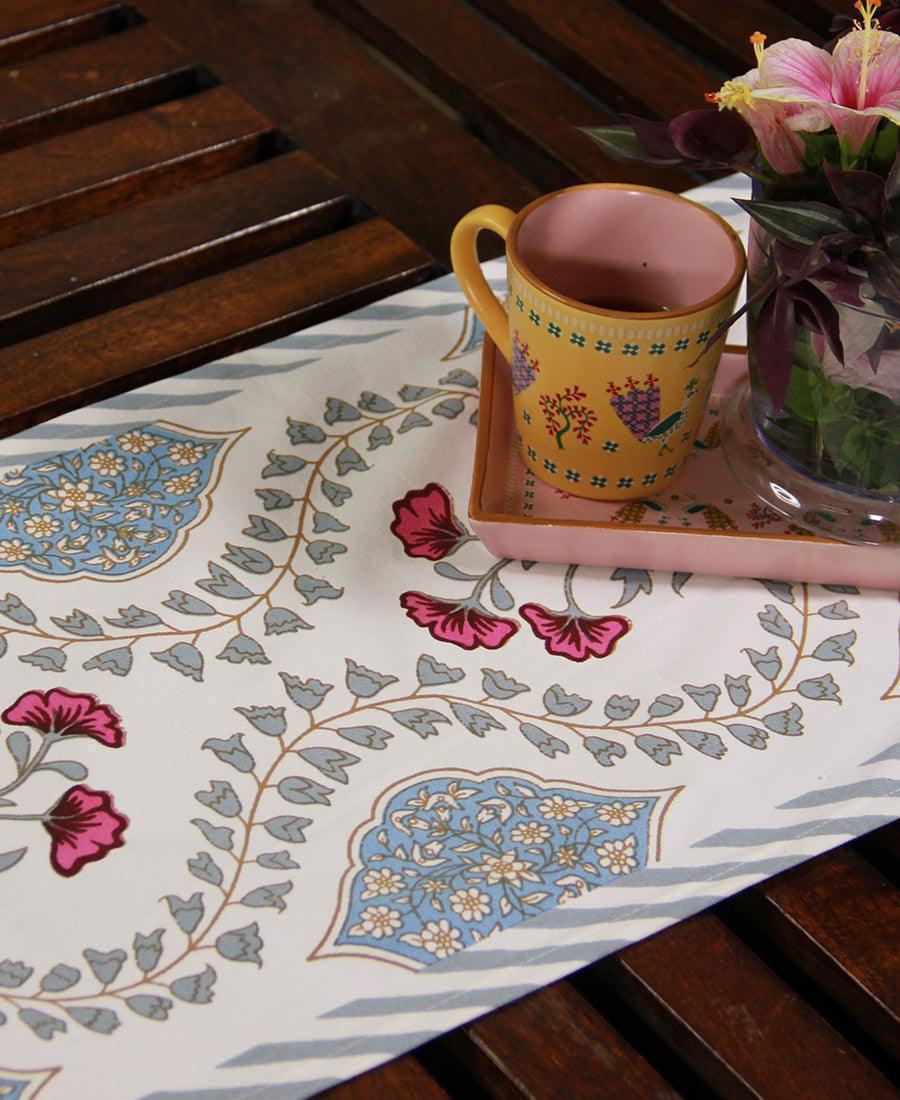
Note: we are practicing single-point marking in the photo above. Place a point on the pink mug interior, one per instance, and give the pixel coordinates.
(622, 250)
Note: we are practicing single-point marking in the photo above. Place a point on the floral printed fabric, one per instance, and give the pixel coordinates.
(290, 765)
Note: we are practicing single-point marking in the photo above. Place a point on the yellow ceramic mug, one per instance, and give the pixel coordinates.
(613, 292)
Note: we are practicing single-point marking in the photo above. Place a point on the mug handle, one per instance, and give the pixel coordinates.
(464, 258)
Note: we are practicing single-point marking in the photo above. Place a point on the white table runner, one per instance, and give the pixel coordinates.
(297, 776)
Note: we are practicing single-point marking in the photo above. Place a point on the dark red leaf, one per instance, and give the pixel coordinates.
(775, 331)
(708, 134)
(861, 193)
(654, 137)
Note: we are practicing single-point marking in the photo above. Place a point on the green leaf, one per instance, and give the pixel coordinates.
(796, 224)
(621, 142)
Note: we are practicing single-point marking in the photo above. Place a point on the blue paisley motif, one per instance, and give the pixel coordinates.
(109, 510)
(454, 859)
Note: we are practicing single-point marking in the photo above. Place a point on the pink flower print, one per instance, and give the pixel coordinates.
(464, 623)
(572, 635)
(83, 826)
(425, 524)
(61, 712)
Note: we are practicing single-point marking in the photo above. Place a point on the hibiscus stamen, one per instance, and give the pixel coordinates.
(757, 41)
(871, 44)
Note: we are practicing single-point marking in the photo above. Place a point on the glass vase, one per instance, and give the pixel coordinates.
(829, 458)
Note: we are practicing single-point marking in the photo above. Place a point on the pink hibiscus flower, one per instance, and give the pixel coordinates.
(83, 826)
(798, 88)
(59, 711)
(464, 623)
(573, 636)
(425, 524)
(852, 88)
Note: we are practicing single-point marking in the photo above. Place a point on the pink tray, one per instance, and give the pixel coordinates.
(705, 522)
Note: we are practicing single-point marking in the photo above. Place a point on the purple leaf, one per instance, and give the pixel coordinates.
(775, 331)
(654, 137)
(862, 193)
(708, 134)
(813, 311)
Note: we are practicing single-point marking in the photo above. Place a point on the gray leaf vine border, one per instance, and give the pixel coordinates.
(241, 868)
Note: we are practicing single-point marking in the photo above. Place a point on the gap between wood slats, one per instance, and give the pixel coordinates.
(312, 78)
(723, 38)
(92, 82)
(609, 52)
(204, 320)
(402, 1079)
(161, 244)
(835, 919)
(551, 1043)
(712, 1001)
(29, 28)
(522, 107)
(77, 176)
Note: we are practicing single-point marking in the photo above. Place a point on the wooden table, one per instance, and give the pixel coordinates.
(184, 178)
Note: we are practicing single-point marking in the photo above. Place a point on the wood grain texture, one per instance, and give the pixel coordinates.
(193, 324)
(609, 52)
(515, 102)
(529, 1048)
(73, 177)
(55, 280)
(723, 39)
(402, 1079)
(390, 147)
(837, 918)
(740, 1028)
(29, 28)
(91, 82)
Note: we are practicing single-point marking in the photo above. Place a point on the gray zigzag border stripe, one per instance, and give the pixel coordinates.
(876, 787)
(240, 371)
(430, 1002)
(323, 341)
(841, 826)
(139, 402)
(286, 1090)
(890, 753)
(264, 1054)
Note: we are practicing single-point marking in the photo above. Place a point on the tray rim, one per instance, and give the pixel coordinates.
(480, 471)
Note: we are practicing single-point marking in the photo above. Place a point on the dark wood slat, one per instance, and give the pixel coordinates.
(884, 845)
(724, 39)
(29, 28)
(519, 104)
(402, 1079)
(216, 316)
(388, 146)
(817, 14)
(91, 82)
(735, 1023)
(610, 52)
(76, 176)
(838, 919)
(528, 1048)
(144, 249)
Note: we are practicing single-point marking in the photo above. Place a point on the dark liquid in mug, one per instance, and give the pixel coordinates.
(625, 303)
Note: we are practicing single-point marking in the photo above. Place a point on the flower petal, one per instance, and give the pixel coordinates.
(799, 68)
(83, 826)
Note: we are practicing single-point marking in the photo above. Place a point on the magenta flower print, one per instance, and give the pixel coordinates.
(63, 713)
(571, 633)
(84, 826)
(576, 637)
(463, 623)
(425, 524)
